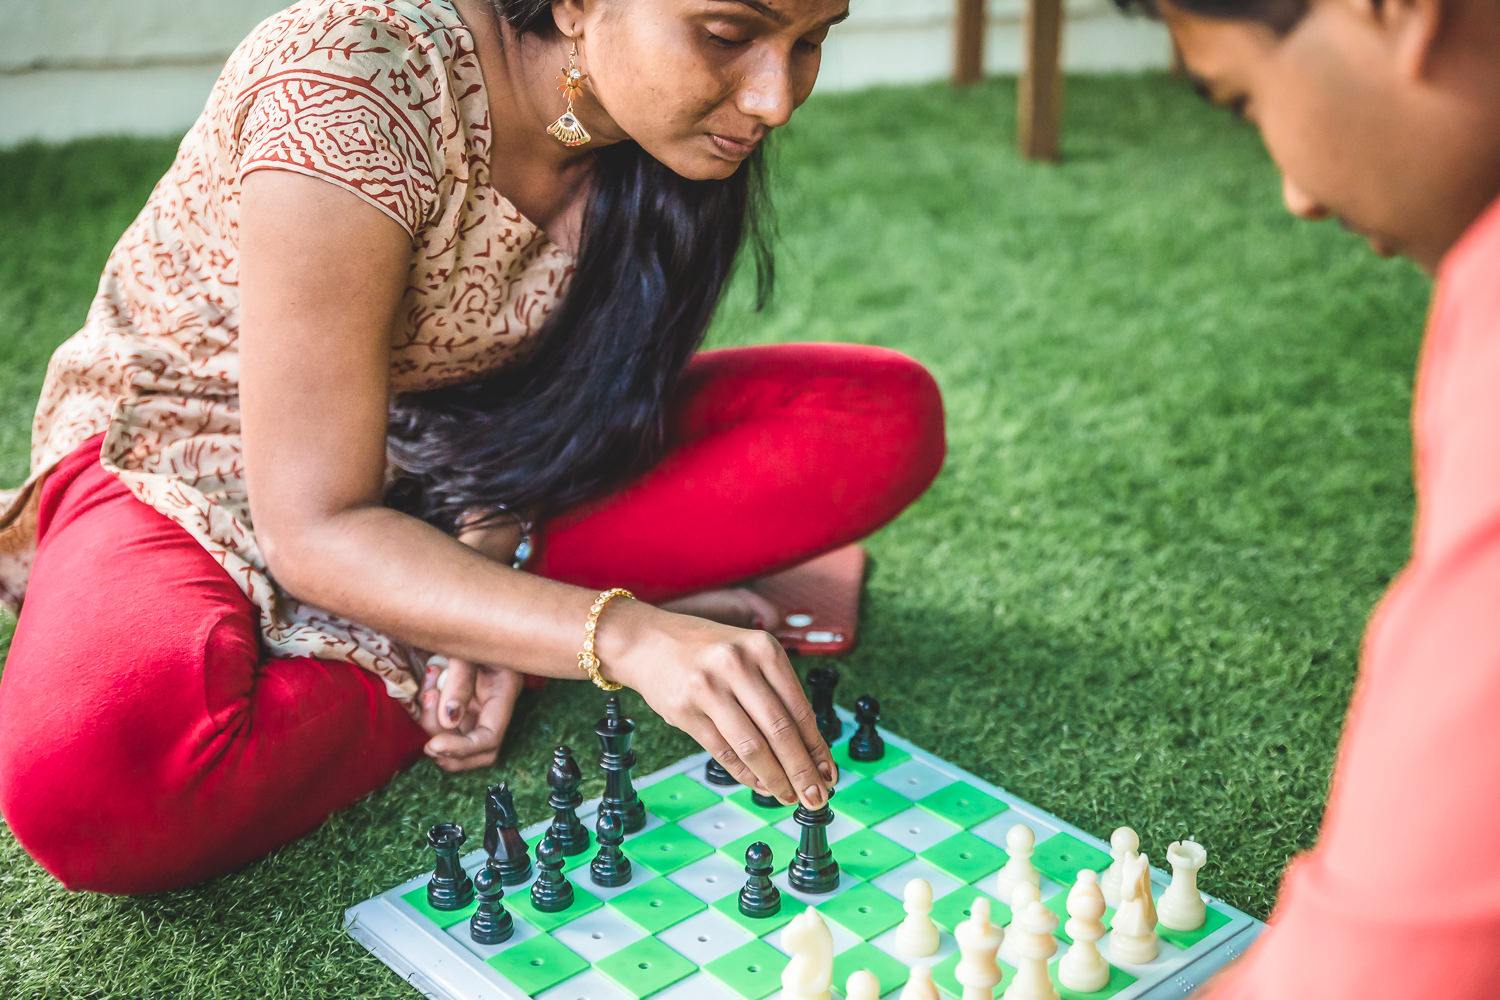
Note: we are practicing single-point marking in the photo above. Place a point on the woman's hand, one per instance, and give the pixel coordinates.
(467, 713)
(731, 689)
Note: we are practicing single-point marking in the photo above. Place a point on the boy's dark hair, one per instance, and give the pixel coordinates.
(1281, 16)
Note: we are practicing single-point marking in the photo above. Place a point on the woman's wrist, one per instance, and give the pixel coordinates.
(624, 628)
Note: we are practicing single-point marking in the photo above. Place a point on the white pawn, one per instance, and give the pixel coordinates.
(917, 935)
(809, 975)
(1132, 934)
(1181, 906)
(862, 985)
(1123, 843)
(978, 942)
(1024, 895)
(920, 985)
(1034, 926)
(1020, 840)
(1082, 967)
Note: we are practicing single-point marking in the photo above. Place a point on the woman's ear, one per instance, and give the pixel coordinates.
(569, 15)
(1415, 30)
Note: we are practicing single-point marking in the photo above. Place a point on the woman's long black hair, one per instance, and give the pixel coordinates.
(586, 411)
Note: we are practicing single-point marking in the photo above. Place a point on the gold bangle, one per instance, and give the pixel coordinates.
(588, 660)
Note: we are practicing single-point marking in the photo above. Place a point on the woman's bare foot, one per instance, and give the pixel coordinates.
(731, 606)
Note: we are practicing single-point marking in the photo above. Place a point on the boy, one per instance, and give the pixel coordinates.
(1385, 115)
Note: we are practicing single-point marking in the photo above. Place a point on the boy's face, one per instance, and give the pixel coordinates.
(1365, 109)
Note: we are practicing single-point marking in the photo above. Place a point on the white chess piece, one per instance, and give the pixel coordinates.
(1123, 843)
(1181, 907)
(1082, 967)
(809, 975)
(1024, 895)
(862, 985)
(978, 942)
(919, 986)
(1034, 926)
(1132, 934)
(917, 935)
(1020, 840)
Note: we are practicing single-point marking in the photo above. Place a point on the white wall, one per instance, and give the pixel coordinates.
(86, 67)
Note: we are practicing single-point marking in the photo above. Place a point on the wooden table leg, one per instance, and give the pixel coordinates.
(1040, 116)
(968, 53)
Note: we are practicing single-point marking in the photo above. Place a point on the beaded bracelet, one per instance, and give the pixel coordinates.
(588, 661)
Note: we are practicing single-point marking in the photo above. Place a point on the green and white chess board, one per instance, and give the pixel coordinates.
(675, 931)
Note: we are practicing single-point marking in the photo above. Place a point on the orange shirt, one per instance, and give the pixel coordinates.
(1400, 898)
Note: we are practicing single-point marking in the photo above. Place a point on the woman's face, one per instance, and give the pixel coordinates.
(699, 83)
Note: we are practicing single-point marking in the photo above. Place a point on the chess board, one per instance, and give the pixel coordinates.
(675, 931)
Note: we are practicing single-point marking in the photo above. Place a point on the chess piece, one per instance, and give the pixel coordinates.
(616, 758)
(1033, 926)
(491, 923)
(717, 774)
(1021, 897)
(610, 866)
(1132, 933)
(765, 801)
(822, 681)
(563, 778)
(809, 974)
(502, 837)
(551, 892)
(917, 935)
(862, 985)
(866, 744)
(1020, 841)
(978, 944)
(1181, 906)
(1123, 844)
(1083, 968)
(759, 897)
(450, 887)
(813, 868)
(919, 985)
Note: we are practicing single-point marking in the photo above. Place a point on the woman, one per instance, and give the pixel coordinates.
(399, 300)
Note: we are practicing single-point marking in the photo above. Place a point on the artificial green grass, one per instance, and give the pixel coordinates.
(1178, 479)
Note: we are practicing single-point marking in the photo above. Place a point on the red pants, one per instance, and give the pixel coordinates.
(146, 744)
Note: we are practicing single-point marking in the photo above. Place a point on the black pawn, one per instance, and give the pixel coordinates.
(615, 733)
(551, 892)
(813, 868)
(866, 744)
(563, 777)
(765, 801)
(450, 887)
(716, 773)
(759, 897)
(610, 866)
(823, 680)
(491, 923)
(502, 838)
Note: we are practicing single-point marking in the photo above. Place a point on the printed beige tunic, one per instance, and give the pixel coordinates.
(385, 100)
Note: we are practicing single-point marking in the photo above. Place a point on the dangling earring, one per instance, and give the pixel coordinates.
(568, 130)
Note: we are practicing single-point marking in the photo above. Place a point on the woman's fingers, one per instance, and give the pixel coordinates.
(703, 729)
(779, 728)
(751, 745)
(783, 680)
(478, 741)
(456, 692)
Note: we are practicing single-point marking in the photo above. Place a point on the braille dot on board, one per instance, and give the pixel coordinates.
(597, 936)
(643, 966)
(536, 963)
(752, 968)
(656, 904)
(966, 855)
(703, 939)
(864, 909)
(711, 879)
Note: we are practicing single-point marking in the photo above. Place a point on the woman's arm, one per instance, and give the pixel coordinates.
(321, 277)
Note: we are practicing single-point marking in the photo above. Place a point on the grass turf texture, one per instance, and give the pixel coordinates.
(1178, 479)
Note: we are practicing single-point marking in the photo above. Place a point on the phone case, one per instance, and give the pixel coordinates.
(818, 602)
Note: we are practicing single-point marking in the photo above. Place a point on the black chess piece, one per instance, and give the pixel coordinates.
(615, 733)
(502, 837)
(822, 681)
(563, 777)
(610, 866)
(716, 774)
(813, 869)
(866, 744)
(551, 892)
(759, 897)
(765, 801)
(450, 887)
(491, 922)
